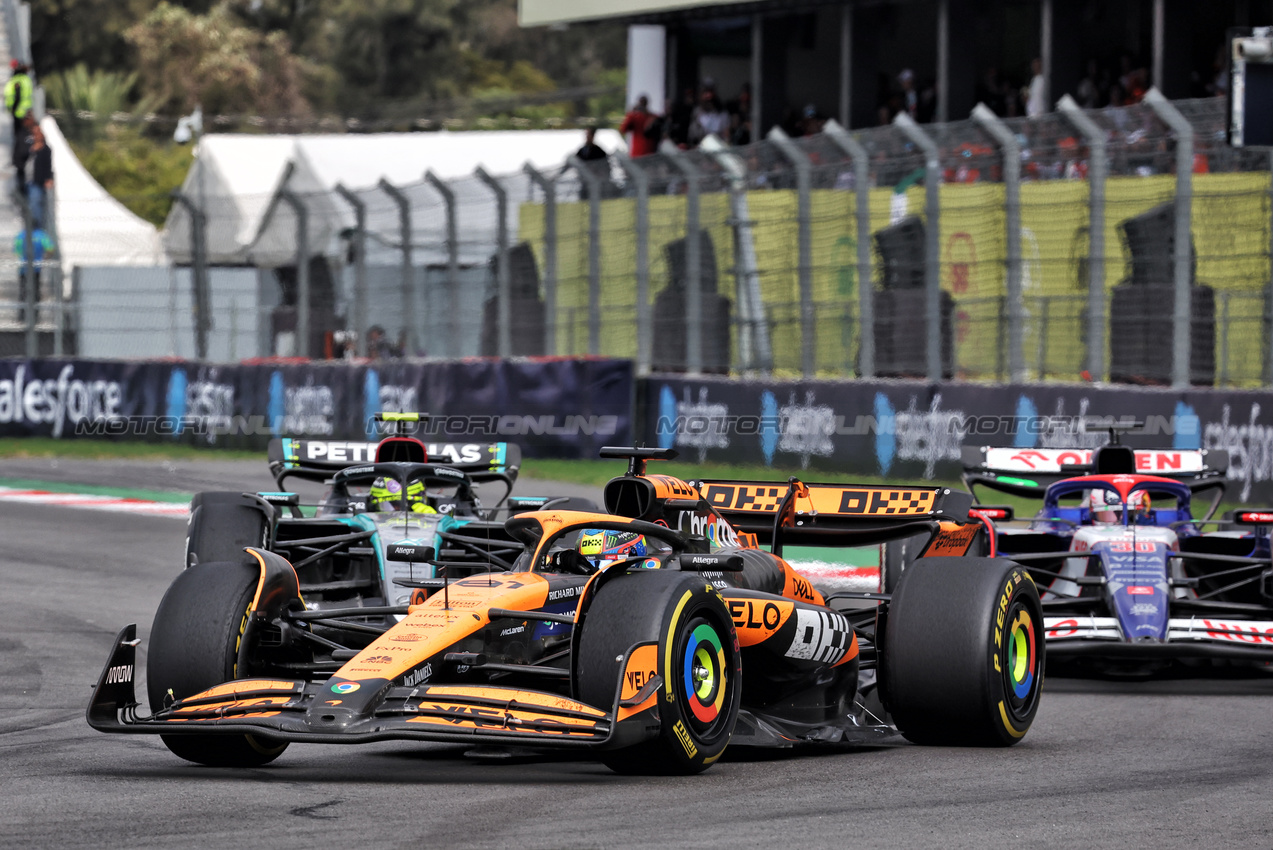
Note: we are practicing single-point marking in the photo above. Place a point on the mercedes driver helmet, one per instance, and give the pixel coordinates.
(386, 495)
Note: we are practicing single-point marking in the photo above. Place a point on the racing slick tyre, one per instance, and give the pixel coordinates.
(222, 524)
(962, 656)
(698, 659)
(194, 645)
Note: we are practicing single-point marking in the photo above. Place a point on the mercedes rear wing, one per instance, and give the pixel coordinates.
(318, 460)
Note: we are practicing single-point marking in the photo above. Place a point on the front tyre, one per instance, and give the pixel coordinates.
(962, 658)
(194, 645)
(698, 659)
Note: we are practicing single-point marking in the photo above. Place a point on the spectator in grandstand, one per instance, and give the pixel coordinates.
(679, 118)
(41, 176)
(596, 160)
(811, 121)
(17, 92)
(21, 152)
(637, 126)
(378, 345)
(910, 97)
(1088, 91)
(1133, 79)
(739, 111)
(990, 90)
(710, 117)
(41, 246)
(1036, 102)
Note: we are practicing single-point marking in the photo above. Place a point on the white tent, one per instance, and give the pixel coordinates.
(94, 229)
(238, 178)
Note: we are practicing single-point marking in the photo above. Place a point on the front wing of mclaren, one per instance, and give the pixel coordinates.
(1187, 637)
(308, 712)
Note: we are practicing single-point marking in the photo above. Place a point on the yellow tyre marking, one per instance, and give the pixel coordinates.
(1007, 724)
(667, 653)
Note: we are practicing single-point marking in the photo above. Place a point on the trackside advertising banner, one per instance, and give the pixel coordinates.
(915, 430)
(551, 408)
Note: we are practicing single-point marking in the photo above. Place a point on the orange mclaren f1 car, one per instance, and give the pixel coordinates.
(652, 635)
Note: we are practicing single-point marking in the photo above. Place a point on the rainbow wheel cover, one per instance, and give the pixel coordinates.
(1021, 655)
(704, 673)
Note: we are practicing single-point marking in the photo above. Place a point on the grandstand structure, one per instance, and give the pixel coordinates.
(842, 56)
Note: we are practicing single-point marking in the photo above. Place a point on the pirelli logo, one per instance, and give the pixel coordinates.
(848, 501)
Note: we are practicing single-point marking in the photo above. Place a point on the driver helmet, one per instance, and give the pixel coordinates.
(386, 495)
(603, 548)
(1107, 507)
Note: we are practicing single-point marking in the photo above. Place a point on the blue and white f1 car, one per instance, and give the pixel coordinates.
(1130, 581)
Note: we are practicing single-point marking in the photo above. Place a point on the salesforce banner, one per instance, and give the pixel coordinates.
(551, 408)
(915, 430)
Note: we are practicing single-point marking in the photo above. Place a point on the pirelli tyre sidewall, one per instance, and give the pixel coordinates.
(223, 524)
(962, 661)
(698, 660)
(194, 645)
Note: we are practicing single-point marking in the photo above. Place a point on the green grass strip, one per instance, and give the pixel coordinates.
(82, 449)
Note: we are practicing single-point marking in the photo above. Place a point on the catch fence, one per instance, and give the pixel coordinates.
(1125, 244)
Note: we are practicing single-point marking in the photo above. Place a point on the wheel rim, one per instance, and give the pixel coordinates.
(705, 676)
(1020, 661)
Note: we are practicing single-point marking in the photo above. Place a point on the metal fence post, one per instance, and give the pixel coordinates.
(1098, 170)
(452, 259)
(1268, 292)
(593, 183)
(1182, 317)
(358, 242)
(29, 300)
(199, 269)
(693, 264)
(408, 272)
(984, 116)
(504, 307)
(866, 290)
(642, 183)
(59, 306)
(755, 351)
(808, 363)
(932, 239)
(548, 186)
(302, 267)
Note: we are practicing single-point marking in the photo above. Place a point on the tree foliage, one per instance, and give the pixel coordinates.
(215, 61)
(137, 171)
(392, 62)
(292, 57)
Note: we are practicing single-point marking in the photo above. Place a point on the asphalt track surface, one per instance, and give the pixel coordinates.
(1161, 764)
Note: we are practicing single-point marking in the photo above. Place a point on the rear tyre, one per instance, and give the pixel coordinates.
(194, 645)
(962, 657)
(697, 657)
(222, 525)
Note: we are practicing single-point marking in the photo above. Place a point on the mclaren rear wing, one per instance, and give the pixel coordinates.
(801, 513)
